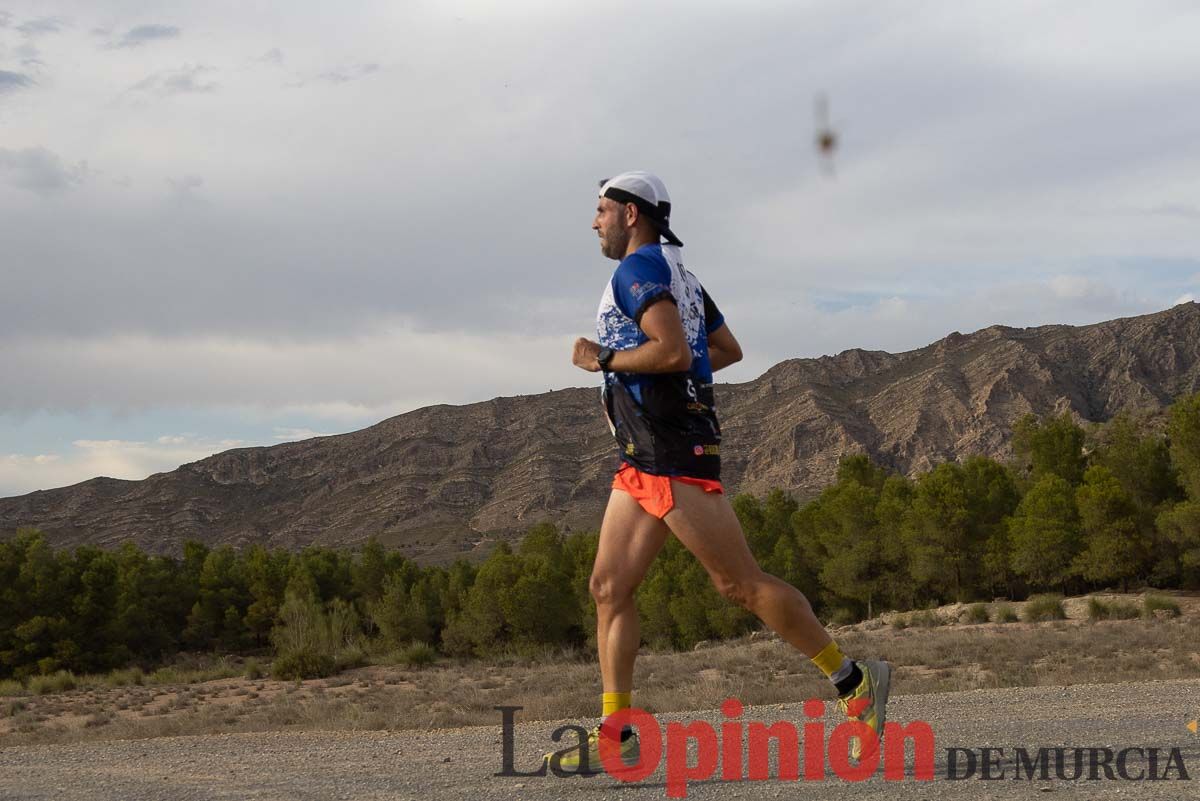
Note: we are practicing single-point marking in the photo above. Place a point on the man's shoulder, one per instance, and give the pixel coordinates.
(646, 255)
(645, 262)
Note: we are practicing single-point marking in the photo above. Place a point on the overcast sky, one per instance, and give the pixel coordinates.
(226, 224)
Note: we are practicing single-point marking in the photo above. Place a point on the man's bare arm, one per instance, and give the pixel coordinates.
(723, 348)
(666, 351)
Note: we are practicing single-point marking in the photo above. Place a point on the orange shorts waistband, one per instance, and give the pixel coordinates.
(653, 492)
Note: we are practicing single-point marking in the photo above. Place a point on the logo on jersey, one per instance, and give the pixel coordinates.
(640, 291)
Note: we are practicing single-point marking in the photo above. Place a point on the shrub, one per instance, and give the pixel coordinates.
(1111, 610)
(1004, 613)
(417, 654)
(976, 613)
(125, 678)
(1123, 610)
(311, 643)
(9, 687)
(900, 622)
(59, 682)
(165, 675)
(1044, 607)
(925, 620)
(351, 656)
(253, 670)
(303, 664)
(1160, 603)
(457, 639)
(98, 719)
(193, 671)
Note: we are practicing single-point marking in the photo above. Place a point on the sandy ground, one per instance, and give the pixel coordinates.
(462, 763)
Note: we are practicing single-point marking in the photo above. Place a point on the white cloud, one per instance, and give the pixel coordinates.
(20, 459)
(114, 458)
(1188, 298)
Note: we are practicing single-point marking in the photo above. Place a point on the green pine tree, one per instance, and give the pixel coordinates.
(1044, 533)
(1053, 446)
(1114, 548)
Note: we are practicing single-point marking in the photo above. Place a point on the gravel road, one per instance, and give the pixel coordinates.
(460, 763)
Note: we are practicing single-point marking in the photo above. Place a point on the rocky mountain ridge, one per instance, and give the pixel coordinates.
(448, 480)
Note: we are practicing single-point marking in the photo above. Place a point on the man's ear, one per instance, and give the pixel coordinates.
(632, 212)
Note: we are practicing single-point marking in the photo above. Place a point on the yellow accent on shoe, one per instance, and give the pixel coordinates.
(829, 660)
(571, 759)
(868, 703)
(615, 702)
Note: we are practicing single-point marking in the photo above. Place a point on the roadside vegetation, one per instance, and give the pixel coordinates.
(414, 688)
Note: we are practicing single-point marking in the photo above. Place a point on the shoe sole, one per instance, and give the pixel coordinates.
(883, 686)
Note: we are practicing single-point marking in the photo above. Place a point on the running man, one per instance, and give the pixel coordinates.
(661, 337)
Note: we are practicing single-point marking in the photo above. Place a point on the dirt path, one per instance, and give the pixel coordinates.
(460, 763)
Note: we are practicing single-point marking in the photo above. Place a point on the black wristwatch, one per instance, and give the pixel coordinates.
(604, 357)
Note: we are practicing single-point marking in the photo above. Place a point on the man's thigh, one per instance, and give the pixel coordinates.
(705, 523)
(630, 538)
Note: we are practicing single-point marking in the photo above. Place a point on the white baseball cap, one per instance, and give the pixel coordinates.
(648, 193)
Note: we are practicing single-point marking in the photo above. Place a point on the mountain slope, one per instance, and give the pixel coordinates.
(443, 480)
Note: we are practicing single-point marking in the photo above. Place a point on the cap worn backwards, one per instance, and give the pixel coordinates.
(648, 193)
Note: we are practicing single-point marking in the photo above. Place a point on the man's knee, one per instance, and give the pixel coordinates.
(741, 590)
(608, 590)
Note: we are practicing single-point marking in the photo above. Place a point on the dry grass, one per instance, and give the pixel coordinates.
(192, 670)
(59, 682)
(1004, 613)
(1112, 610)
(976, 613)
(1160, 606)
(565, 683)
(1041, 608)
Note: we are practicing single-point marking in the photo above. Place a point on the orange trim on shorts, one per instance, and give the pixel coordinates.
(653, 492)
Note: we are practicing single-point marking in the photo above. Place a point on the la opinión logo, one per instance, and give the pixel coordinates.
(813, 748)
(808, 752)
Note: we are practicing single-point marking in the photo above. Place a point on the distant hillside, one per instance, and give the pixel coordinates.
(443, 480)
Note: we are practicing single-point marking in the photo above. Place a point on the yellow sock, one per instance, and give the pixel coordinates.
(830, 659)
(614, 702)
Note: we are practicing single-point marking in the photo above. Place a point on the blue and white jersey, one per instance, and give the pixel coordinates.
(664, 423)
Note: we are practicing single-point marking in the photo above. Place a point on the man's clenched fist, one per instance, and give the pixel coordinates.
(585, 355)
